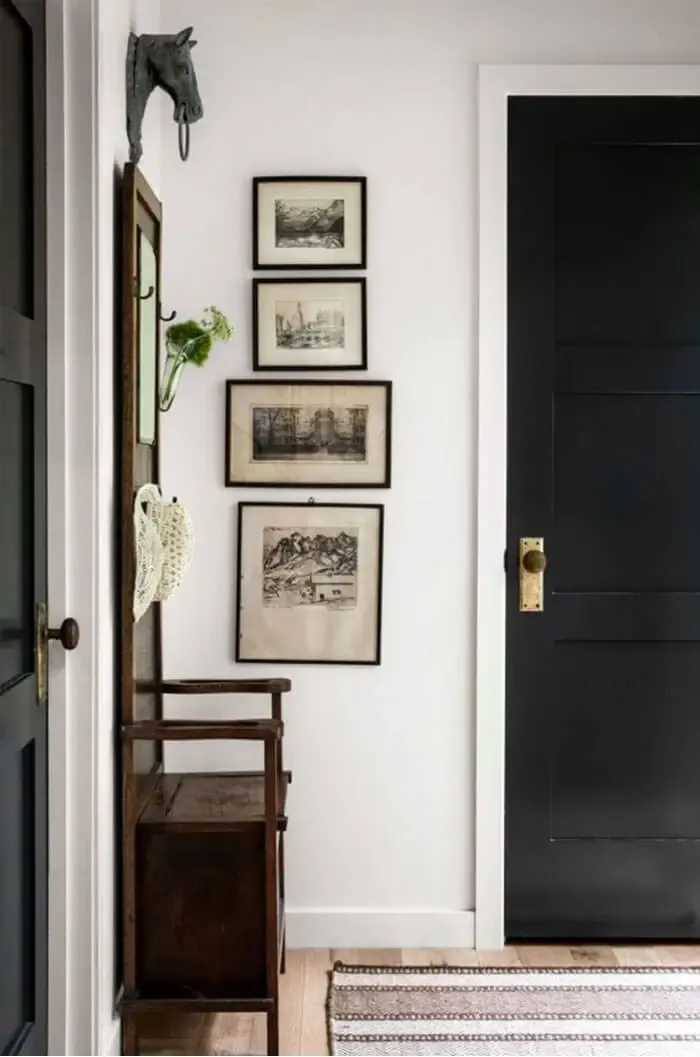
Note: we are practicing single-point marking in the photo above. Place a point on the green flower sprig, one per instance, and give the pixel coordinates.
(194, 340)
(190, 342)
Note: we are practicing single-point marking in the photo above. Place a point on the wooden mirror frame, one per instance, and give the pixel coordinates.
(140, 644)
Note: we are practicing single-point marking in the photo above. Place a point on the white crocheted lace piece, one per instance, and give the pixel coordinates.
(149, 550)
(177, 538)
(164, 541)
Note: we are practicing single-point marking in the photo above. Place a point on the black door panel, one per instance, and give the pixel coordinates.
(603, 686)
(23, 543)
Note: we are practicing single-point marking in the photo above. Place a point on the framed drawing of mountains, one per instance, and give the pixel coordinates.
(309, 222)
(309, 583)
(310, 434)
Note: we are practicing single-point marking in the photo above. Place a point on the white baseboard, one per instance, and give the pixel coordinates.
(112, 1039)
(380, 928)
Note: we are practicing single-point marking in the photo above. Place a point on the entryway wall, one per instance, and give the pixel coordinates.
(382, 813)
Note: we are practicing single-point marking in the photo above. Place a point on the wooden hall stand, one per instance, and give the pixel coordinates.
(202, 854)
(204, 914)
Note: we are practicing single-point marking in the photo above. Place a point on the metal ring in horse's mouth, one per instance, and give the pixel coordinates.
(183, 142)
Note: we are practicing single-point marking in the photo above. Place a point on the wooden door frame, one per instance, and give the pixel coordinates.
(495, 85)
(78, 919)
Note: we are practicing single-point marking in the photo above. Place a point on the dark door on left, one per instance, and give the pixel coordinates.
(23, 724)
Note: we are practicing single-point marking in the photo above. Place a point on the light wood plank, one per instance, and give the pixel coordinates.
(637, 956)
(172, 1033)
(461, 956)
(422, 956)
(546, 956)
(594, 956)
(171, 1048)
(258, 1036)
(347, 956)
(507, 956)
(680, 954)
(172, 1025)
(229, 1033)
(432, 956)
(292, 985)
(314, 1031)
(383, 956)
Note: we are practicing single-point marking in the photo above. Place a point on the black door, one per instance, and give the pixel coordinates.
(23, 778)
(603, 684)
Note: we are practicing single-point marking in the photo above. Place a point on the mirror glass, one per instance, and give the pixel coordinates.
(148, 341)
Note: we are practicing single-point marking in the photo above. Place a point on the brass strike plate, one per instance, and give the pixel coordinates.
(531, 584)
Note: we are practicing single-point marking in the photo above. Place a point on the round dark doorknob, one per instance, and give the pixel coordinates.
(68, 634)
(534, 562)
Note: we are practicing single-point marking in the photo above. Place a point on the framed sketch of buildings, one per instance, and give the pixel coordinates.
(311, 434)
(309, 581)
(309, 222)
(316, 324)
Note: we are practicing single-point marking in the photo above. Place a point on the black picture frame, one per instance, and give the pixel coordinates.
(340, 280)
(232, 481)
(360, 263)
(376, 659)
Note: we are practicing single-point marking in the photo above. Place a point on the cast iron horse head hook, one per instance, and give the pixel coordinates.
(161, 60)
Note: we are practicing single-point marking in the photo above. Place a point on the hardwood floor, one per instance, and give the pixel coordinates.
(305, 983)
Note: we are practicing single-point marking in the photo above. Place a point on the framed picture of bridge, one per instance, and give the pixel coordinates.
(309, 222)
(310, 434)
(309, 581)
(309, 324)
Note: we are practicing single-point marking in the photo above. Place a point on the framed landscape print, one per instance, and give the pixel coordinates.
(309, 222)
(310, 434)
(309, 324)
(309, 583)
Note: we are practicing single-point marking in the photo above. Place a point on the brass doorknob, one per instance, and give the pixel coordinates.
(534, 562)
(68, 634)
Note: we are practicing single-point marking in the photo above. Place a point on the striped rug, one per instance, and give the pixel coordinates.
(518, 1012)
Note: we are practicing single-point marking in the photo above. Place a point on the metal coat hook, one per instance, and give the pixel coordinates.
(143, 297)
(166, 319)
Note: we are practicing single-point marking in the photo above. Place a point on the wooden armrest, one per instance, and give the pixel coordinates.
(226, 686)
(204, 730)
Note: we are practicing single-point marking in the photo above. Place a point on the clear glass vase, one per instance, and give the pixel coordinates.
(170, 379)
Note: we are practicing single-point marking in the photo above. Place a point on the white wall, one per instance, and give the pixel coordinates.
(382, 808)
(115, 18)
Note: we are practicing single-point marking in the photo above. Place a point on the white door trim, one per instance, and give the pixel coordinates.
(496, 84)
(74, 962)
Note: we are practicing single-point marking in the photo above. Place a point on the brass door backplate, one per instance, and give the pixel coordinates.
(531, 565)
